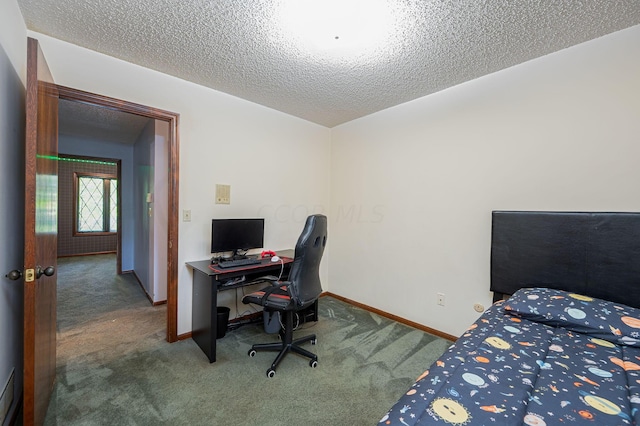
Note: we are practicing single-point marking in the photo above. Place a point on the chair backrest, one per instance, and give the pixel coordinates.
(305, 270)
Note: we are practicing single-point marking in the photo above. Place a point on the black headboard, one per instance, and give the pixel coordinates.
(596, 254)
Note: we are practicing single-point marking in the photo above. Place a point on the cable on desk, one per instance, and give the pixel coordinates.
(281, 269)
(250, 308)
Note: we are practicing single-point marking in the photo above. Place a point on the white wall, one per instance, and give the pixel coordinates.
(13, 57)
(142, 185)
(151, 216)
(416, 183)
(160, 149)
(277, 165)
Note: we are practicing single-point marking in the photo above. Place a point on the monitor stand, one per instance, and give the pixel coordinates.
(237, 255)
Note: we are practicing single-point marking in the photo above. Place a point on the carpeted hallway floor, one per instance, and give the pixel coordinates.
(115, 367)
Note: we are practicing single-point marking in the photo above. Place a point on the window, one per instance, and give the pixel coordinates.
(96, 197)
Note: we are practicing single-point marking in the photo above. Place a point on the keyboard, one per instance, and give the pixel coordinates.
(238, 262)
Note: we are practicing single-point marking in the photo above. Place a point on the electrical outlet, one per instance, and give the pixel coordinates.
(441, 299)
(478, 307)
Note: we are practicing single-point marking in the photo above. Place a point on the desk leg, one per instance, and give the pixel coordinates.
(204, 315)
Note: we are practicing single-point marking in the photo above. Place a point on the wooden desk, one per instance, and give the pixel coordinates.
(206, 284)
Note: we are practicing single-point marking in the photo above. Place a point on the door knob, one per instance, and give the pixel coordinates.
(14, 275)
(48, 271)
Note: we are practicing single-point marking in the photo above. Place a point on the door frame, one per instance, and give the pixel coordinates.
(172, 119)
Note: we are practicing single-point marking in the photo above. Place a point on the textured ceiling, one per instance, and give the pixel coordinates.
(93, 123)
(239, 47)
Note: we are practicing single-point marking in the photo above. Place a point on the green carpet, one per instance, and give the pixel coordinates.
(115, 367)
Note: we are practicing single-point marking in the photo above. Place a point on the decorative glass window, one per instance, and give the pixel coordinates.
(96, 199)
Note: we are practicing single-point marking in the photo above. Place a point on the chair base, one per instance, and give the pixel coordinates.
(283, 349)
(287, 345)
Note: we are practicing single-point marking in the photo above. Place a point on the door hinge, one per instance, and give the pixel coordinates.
(29, 275)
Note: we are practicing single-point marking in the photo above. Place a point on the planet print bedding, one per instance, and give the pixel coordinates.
(542, 357)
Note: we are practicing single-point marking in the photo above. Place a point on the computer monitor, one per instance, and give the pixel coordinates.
(236, 235)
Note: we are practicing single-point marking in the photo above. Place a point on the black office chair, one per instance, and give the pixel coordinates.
(298, 293)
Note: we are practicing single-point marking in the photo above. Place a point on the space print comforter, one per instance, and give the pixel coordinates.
(543, 357)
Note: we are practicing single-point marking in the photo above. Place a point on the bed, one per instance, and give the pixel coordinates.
(563, 348)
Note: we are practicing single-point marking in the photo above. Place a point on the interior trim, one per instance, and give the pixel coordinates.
(172, 215)
(90, 254)
(396, 318)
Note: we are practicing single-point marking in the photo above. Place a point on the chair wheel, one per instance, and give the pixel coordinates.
(271, 372)
(313, 363)
(252, 353)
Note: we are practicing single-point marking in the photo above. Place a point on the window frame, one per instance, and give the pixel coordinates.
(106, 182)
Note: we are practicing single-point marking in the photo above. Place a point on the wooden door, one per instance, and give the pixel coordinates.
(40, 242)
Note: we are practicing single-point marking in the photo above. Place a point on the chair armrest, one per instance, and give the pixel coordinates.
(274, 286)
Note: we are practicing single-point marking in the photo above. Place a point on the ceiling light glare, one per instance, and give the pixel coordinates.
(336, 26)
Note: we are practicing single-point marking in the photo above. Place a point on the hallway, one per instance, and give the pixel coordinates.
(101, 317)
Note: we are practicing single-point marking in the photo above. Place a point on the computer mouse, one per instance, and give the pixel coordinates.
(275, 259)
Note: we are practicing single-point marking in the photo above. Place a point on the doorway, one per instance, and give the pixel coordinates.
(89, 200)
(171, 119)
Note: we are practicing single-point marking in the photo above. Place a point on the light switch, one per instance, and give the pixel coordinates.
(186, 215)
(223, 194)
